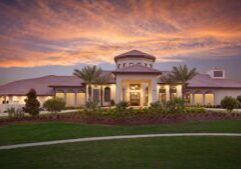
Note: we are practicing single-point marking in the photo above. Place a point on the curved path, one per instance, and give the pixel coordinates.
(87, 139)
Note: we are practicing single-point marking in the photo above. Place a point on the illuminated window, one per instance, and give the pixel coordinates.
(173, 92)
(162, 94)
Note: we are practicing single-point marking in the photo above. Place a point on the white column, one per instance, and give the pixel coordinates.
(167, 87)
(203, 99)
(118, 97)
(65, 97)
(193, 98)
(179, 90)
(75, 97)
(154, 90)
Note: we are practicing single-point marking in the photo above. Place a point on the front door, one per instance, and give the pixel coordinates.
(135, 98)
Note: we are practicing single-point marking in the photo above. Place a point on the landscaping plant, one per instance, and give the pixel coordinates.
(156, 107)
(239, 99)
(175, 105)
(54, 105)
(91, 107)
(32, 105)
(229, 103)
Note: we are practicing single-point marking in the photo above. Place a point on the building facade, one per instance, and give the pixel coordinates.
(134, 80)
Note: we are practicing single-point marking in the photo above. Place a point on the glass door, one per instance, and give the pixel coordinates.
(135, 98)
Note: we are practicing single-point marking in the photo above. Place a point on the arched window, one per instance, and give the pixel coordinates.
(107, 94)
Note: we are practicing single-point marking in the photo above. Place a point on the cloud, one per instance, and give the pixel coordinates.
(39, 33)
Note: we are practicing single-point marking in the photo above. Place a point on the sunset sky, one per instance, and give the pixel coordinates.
(54, 37)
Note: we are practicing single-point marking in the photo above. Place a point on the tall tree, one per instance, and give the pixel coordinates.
(32, 105)
(89, 74)
(102, 80)
(180, 74)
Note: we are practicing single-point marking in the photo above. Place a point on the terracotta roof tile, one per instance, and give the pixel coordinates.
(135, 53)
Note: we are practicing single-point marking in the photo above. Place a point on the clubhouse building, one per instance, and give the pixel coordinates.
(134, 80)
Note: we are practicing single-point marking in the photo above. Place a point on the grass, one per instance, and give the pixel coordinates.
(148, 153)
(35, 132)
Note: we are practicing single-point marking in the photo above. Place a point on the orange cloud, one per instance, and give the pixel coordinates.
(69, 32)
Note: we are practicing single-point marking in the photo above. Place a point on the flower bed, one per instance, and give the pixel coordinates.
(122, 120)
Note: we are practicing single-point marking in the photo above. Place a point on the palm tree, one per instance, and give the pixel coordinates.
(102, 80)
(89, 74)
(180, 74)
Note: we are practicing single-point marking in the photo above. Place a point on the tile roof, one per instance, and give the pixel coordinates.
(41, 85)
(137, 69)
(134, 54)
(205, 81)
(44, 85)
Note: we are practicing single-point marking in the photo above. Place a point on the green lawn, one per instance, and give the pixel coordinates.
(145, 153)
(34, 132)
(148, 153)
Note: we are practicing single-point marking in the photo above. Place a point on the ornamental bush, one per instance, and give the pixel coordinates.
(176, 105)
(91, 107)
(32, 105)
(123, 105)
(229, 103)
(156, 107)
(239, 99)
(54, 105)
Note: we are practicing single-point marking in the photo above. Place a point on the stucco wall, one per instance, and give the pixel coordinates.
(219, 94)
(127, 61)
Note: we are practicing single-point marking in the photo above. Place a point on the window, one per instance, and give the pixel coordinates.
(218, 73)
(131, 64)
(173, 92)
(96, 94)
(119, 65)
(145, 64)
(150, 65)
(124, 64)
(139, 63)
(107, 94)
(135, 86)
(162, 94)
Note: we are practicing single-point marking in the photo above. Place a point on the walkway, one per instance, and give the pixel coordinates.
(117, 138)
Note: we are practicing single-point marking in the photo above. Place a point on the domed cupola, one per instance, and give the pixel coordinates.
(134, 57)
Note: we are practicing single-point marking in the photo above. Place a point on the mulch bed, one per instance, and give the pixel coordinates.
(134, 120)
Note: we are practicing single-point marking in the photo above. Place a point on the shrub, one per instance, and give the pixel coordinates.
(91, 107)
(175, 105)
(32, 105)
(112, 102)
(195, 110)
(239, 99)
(123, 105)
(156, 107)
(229, 103)
(54, 105)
